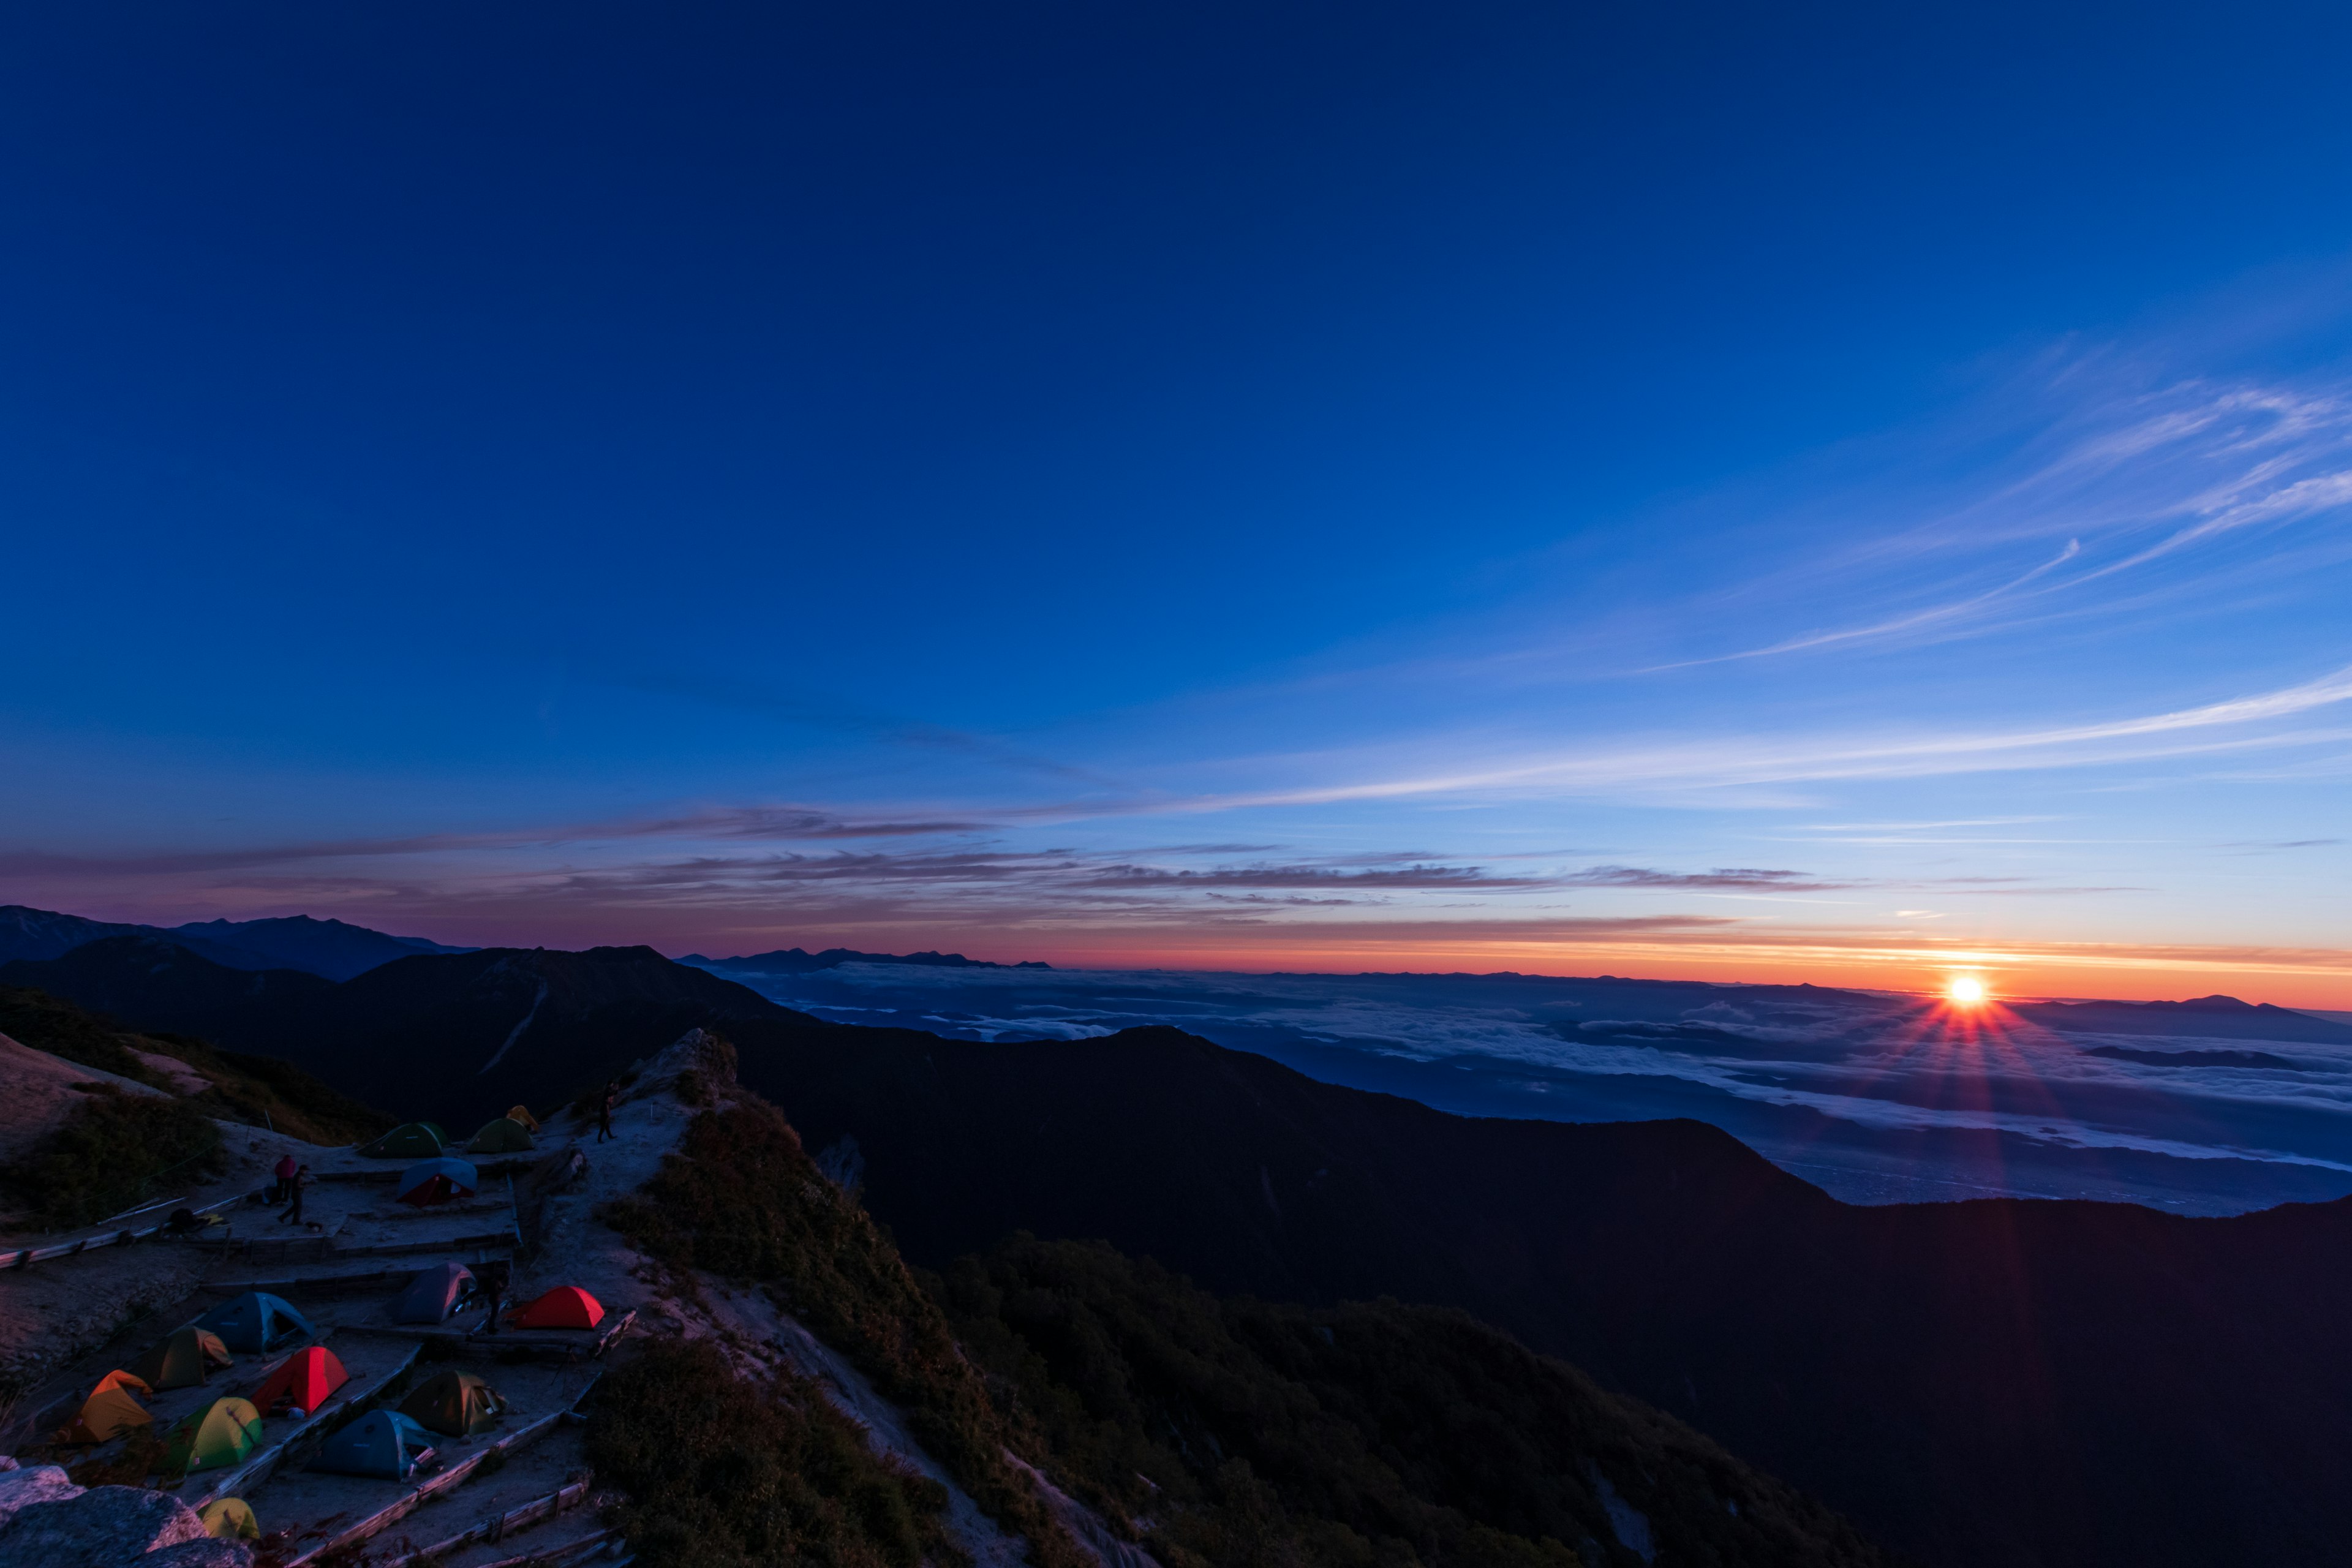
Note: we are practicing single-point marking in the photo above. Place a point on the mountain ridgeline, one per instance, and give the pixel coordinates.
(454, 1038)
(2027, 1383)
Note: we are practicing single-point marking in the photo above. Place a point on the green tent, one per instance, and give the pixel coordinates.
(182, 1359)
(223, 1435)
(455, 1403)
(409, 1140)
(504, 1136)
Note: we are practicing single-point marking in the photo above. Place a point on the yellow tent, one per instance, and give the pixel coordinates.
(223, 1435)
(523, 1115)
(231, 1518)
(110, 1411)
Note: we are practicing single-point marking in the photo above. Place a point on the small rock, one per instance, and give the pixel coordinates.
(101, 1528)
(22, 1487)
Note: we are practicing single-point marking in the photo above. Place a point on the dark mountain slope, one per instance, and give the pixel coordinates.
(2000, 1382)
(1418, 1432)
(456, 1037)
(154, 983)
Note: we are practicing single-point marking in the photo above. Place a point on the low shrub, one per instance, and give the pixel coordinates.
(109, 1154)
(1372, 1433)
(743, 1200)
(720, 1470)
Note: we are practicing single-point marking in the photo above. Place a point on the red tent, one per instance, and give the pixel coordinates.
(565, 1307)
(305, 1380)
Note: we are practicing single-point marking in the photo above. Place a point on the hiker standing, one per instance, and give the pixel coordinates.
(285, 1174)
(294, 1185)
(605, 1113)
(493, 1279)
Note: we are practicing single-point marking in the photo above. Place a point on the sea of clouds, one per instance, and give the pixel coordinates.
(1877, 1097)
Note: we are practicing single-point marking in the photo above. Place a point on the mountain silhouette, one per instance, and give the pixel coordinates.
(454, 1038)
(799, 960)
(2208, 1017)
(332, 949)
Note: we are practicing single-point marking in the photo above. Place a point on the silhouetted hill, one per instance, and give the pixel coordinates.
(456, 1037)
(2002, 1382)
(31, 933)
(2211, 1017)
(330, 949)
(799, 960)
(155, 982)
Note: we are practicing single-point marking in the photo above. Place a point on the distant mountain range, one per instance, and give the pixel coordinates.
(799, 960)
(329, 948)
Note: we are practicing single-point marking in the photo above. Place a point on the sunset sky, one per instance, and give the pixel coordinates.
(1845, 494)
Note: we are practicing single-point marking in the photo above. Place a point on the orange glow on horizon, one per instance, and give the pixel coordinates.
(1965, 991)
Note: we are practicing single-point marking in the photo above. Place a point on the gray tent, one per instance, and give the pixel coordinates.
(432, 1295)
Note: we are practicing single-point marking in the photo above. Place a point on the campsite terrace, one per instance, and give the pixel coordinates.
(344, 1273)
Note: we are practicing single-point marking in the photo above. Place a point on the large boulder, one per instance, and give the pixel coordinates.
(37, 1483)
(209, 1553)
(102, 1528)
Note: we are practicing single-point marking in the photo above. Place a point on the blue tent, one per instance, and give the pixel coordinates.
(437, 1181)
(254, 1321)
(434, 1294)
(381, 1443)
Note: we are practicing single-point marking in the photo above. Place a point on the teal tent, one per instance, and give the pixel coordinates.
(409, 1140)
(433, 1293)
(256, 1321)
(381, 1443)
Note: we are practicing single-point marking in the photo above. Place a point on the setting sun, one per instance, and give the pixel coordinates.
(1965, 990)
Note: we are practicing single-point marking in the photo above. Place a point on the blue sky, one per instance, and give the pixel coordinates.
(1835, 493)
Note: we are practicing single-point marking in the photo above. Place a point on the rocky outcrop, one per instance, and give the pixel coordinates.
(102, 1528)
(21, 1488)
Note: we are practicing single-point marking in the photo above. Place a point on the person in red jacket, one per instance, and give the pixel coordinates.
(285, 1174)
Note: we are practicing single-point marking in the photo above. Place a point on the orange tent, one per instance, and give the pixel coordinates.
(565, 1307)
(110, 1411)
(306, 1380)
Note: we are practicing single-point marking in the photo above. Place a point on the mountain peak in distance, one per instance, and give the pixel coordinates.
(800, 960)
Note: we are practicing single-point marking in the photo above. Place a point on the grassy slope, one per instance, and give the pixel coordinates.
(723, 1470)
(1220, 1432)
(255, 1090)
(741, 1200)
(1367, 1434)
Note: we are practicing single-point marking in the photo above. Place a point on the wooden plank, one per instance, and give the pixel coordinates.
(611, 1336)
(259, 1469)
(548, 1557)
(499, 1527)
(479, 1343)
(455, 1476)
(493, 1240)
(316, 1285)
(24, 1257)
